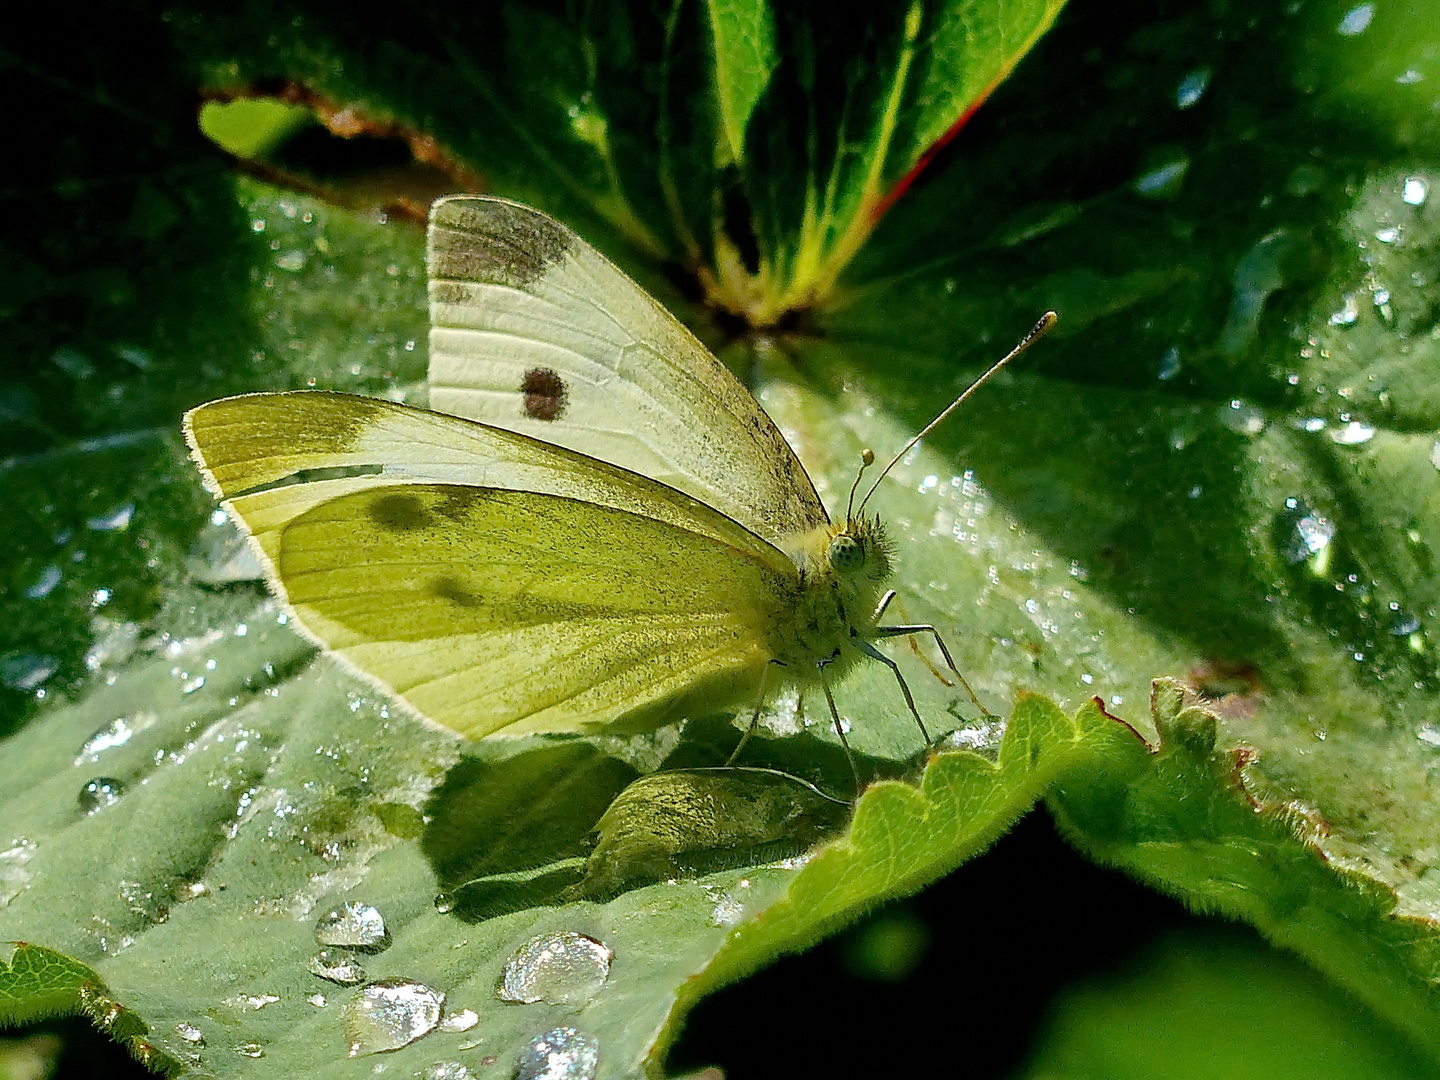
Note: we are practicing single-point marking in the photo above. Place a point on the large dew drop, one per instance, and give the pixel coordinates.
(563, 968)
(562, 1054)
(353, 925)
(389, 1014)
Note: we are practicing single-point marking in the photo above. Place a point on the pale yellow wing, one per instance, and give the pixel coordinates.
(484, 608)
(588, 594)
(535, 331)
(292, 451)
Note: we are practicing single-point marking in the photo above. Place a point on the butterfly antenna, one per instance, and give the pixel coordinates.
(867, 458)
(1039, 330)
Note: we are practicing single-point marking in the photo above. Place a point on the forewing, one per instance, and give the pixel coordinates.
(484, 608)
(291, 451)
(535, 331)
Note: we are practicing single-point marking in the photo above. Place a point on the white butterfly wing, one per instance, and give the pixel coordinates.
(535, 331)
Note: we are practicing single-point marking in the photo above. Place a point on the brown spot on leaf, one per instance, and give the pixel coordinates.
(545, 394)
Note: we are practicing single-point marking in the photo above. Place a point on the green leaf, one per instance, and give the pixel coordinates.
(1194, 823)
(904, 835)
(246, 812)
(1211, 999)
(744, 41)
(39, 982)
(1221, 466)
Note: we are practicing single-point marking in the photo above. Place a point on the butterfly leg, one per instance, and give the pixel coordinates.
(875, 654)
(926, 628)
(839, 728)
(755, 716)
(884, 603)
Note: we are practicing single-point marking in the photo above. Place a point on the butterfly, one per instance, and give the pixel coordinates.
(616, 532)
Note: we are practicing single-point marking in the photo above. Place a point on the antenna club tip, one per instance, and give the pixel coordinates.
(1041, 328)
(867, 457)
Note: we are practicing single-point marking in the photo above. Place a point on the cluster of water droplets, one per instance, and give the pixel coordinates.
(304, 252)
(565, 968)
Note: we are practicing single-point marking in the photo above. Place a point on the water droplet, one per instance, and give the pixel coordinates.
(1305, 180)
(221, 555)
(389, 1014)
(112, 520)
(444, 902)
(982, 738)
(73, 363)
(15, 876)
(1192, 88)
(353, 925)
(445, 1070)
(250, 1050)
(1310, 533)
(116, 733)
(1356, 20)
(1415, 192)
(1163, 181)
(190, 1033)
(1169, 364)
(43, 585)
(250, 1002)
(1429, 735)
(136, 358)
(1348, 313)
(26, 671)
(1353, 434)
(336, 965)
(562, 1054)
(1269, 264)
(99, 793)
(1402, 623)
(564, 968)
(727, 911)
(1243, 417)
(463, 1020)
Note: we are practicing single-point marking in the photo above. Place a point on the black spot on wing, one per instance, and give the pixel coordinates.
(545, 394)
(449, 588)
(492, 241)
(400, 512)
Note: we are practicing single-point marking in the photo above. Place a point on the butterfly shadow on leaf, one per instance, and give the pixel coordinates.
(513, 834)
(566, 821)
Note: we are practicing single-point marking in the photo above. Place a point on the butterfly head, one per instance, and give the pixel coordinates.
(858, 555)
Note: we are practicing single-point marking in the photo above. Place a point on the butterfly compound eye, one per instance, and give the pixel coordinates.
(846, 553)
